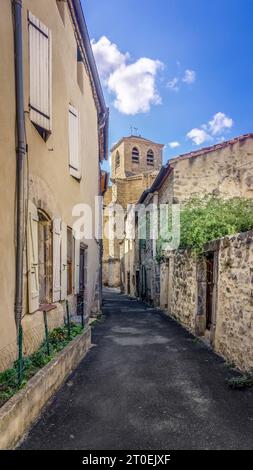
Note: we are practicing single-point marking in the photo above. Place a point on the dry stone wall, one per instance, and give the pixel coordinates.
(234, 324)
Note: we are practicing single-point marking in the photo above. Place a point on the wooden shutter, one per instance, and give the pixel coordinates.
(40, 57)
(64, 264)
(56, 260)
(33, 257)
(77, 266)
(74, 157)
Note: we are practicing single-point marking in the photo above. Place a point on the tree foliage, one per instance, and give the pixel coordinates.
(204, 220)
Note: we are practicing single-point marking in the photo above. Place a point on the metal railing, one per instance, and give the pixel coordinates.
(16, 357)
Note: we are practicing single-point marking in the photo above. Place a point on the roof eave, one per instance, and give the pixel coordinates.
(103, 111)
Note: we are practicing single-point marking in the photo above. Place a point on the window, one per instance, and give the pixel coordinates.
(40, 59)
(69, 261)
(150, 158)
(135, 155)
(74, 157)
(33, 258)
(44, 258)
(117, 160)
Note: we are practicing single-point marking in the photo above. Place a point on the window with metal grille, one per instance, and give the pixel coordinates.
(150, 157)
(135, 155)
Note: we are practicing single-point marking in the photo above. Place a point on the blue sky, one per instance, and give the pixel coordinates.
(181, 71)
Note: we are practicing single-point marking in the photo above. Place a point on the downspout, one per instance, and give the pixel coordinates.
(20, 154)
(103, 127)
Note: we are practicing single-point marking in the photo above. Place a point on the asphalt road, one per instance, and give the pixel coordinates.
(146, 384)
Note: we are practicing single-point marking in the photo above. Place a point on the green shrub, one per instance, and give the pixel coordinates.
(58, 339)
(58, 335)
(8, 376)
(206, 219)
(241, 382)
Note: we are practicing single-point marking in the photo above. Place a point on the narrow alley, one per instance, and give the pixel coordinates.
(145, 384)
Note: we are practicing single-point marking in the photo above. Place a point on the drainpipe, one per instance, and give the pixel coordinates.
(20, 153)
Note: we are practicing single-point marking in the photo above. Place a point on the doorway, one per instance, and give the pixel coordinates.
(82, 279)
(128, 283)
(137, 285)
(143, 282)
(209, 289)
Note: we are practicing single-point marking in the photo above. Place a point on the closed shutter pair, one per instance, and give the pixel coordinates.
(40, 58)
(59, 259)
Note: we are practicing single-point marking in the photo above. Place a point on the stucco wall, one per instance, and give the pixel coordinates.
(7, 177)
(50, 185)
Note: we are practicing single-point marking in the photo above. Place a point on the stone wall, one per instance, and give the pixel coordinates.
(182, 288)
(124, 150)
(123, 192)
(165, 193)
(234, 320)
(224, 170)
(231, 333)
(111, 273)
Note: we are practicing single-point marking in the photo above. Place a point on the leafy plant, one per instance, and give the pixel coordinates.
(57, 335)
(58, 339)
(207, 219)
(204, 220)
(241, 382)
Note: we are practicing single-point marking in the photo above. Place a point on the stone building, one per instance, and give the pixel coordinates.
(135, 162)
(61, 143)
(210, 295)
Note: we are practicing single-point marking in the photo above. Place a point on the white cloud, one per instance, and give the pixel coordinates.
(174, 145)
(199, 136)
(133, 84)
(219, 123)
(108, 57)
(135, 87)
(214, 128)
(173, 84)
(189, 77)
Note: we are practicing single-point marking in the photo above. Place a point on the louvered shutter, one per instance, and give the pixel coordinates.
(56, 259)
(77, 266)
(40, 57)
(74, 157)
(33, 257)
(64, 264)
